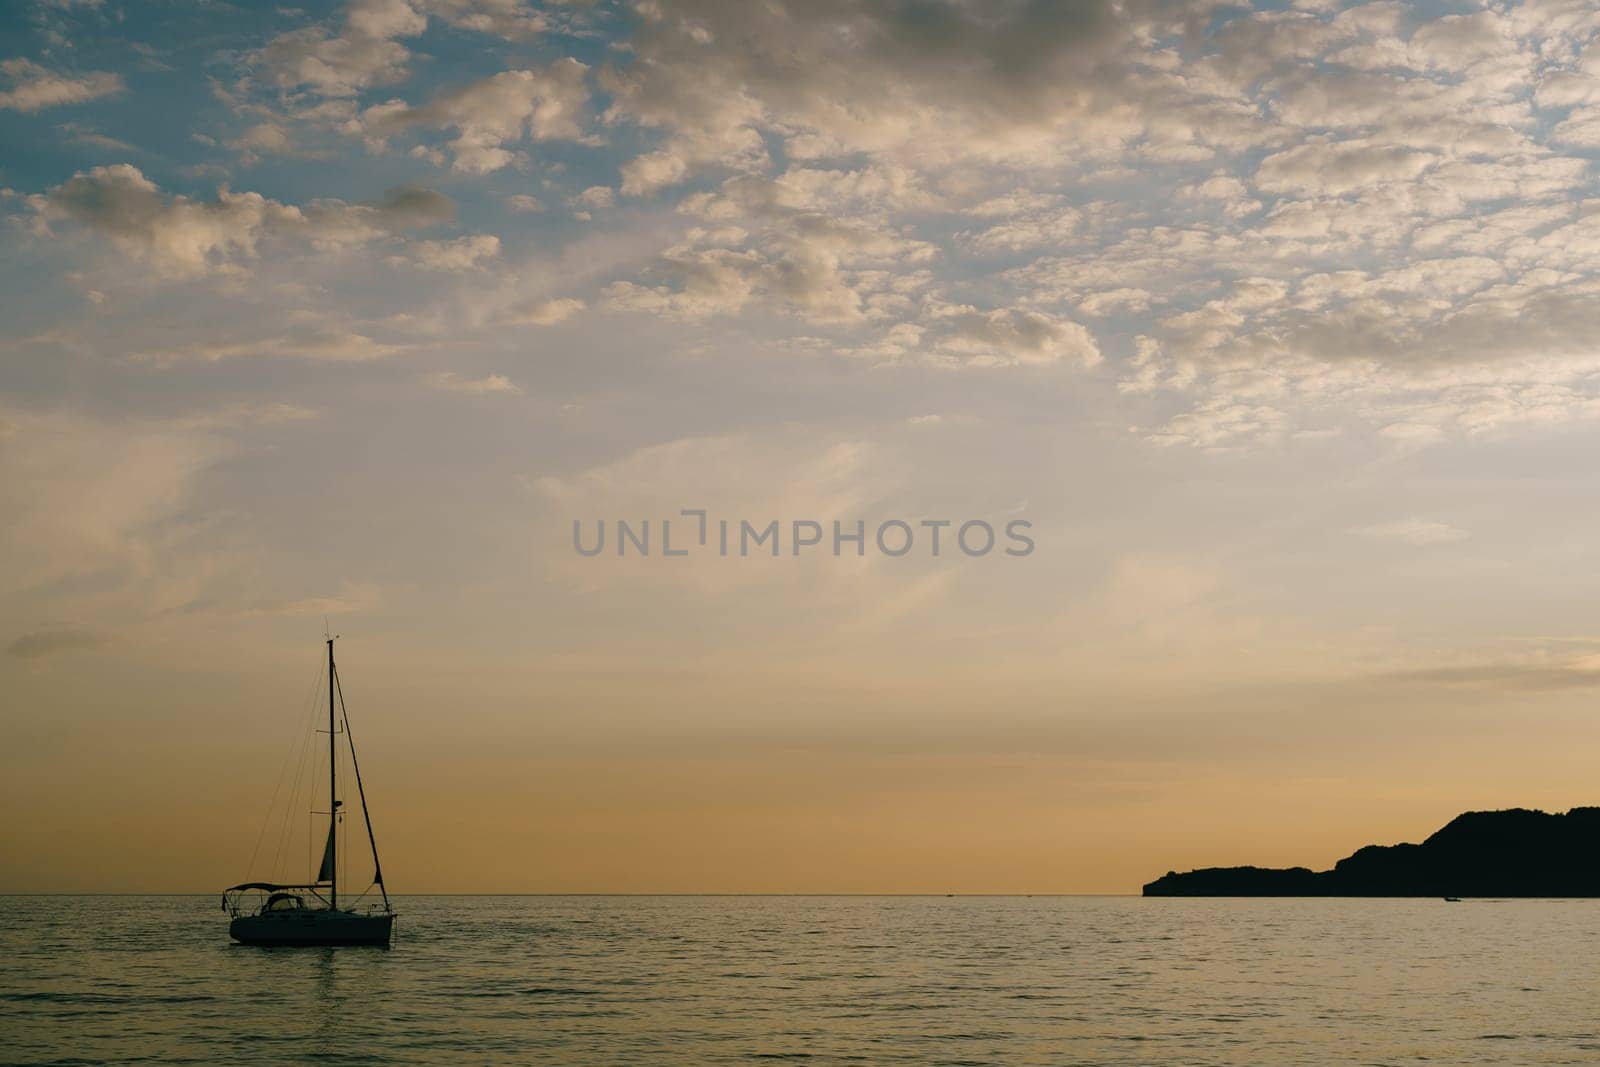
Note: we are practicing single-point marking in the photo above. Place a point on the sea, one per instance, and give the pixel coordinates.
(817, 980)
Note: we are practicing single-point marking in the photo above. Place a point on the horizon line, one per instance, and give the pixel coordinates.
(576, 893)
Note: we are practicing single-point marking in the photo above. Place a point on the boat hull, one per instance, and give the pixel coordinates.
(304, 928)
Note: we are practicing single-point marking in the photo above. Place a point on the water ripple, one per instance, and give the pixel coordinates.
(819, 980)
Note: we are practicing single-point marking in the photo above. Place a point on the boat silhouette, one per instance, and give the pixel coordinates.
(308, 913)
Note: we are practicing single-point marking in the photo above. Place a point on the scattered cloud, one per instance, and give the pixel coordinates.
(34, 87)
(489, 115)
(263, 139)
(41, 643)
(449, 382)
(86, 496)
(1419, 532)
(1527, 674)
(181, 236)
(473, 252)
(1010, 335)
(927, 87)
(1225, 227)
(82, 134)
(320, 344)
(1265, 223)
(175, 234)
(545, 312)
(366, 52)
(598, 196)
(353, 598)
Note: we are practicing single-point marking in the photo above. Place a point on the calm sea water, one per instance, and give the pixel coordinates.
(873, 980)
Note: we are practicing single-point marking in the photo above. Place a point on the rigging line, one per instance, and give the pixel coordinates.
(286, 816)
(287, 819)
(361, 791)
(277, 787)
(285, 833)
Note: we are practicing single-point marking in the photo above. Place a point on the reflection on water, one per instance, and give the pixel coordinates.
(327, 1004)
(916, 980)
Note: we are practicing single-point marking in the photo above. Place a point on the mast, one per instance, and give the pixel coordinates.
(333, 793)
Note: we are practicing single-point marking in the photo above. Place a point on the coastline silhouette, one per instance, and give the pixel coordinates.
(1517, 852)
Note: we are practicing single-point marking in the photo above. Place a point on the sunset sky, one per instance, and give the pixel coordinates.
(1279, 323)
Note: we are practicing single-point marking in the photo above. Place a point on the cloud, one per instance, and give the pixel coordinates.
(814, 244)
(1011, 335)
(114, 519)
(86, 497)
(34, 87)
(366, 53)
(545, 312)
(42, 643)
(704, 283)
(409, 207)
(472, 252)
(449, 382)
(1326, 210)
(509, 19)
(1022, 84)
(598, 196)
(488, 115)
(176, 234)
(1419, 532)
(1333, 169)
(1044, 224)
(353, 598)
(1270, 220)
(181, 236)
(1539, 673)
(263, 139)
(315, 343)
(81, 133)
(246, 413)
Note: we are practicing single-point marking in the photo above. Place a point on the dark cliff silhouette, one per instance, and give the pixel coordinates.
(1515, 853)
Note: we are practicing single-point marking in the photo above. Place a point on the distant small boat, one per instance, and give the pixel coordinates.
(1452, 900)
(286, 917)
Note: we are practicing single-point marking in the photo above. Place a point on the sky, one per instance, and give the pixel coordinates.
(1274, 323)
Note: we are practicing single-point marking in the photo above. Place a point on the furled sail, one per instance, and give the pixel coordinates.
(325, 872)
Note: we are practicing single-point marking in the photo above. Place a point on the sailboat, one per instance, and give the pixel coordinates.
(308, 913)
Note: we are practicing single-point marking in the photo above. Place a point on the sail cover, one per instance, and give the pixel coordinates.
(325, 872)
